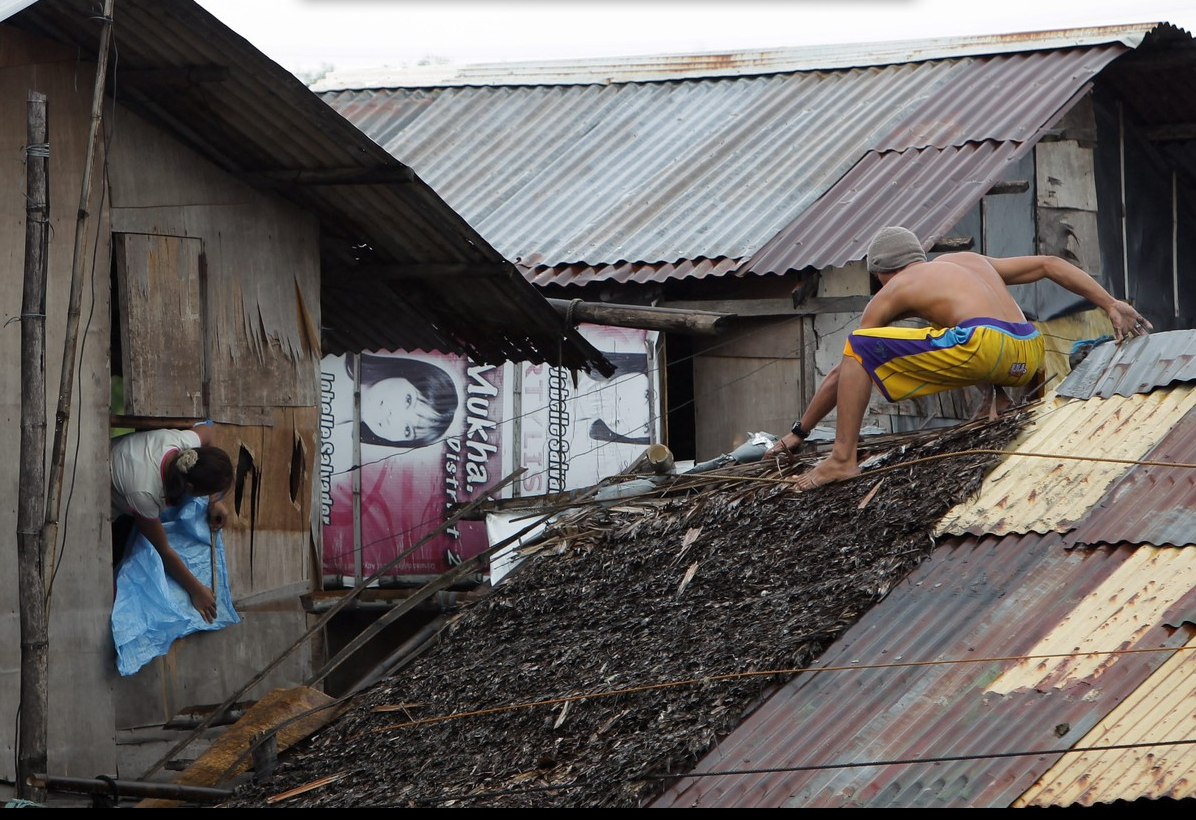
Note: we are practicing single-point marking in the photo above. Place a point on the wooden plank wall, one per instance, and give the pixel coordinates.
(747, 381)
(271, 501)
(259, 259)
(81, 666)
(161, 319)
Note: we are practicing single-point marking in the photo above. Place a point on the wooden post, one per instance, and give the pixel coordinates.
(676, 320)
(31, 493)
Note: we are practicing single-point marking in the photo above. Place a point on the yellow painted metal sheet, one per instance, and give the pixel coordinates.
(1128, 603)
(1066, 460)
(1162, 709)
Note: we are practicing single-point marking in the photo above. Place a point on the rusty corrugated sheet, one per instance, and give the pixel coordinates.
(653, 174)
(964, 686)
(1136, 365)
(182, 69)
(1152, 503)
(999, 670)
(966, 138)
(1005, 98)
(1066, 461)
(1163, 708)
(639, 273)
(926, 190)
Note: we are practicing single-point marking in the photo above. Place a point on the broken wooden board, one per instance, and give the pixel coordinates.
(229, 755)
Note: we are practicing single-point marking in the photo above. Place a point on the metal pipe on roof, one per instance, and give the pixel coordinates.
(129, 788)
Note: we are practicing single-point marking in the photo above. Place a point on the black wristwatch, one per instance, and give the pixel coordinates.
(799, 431)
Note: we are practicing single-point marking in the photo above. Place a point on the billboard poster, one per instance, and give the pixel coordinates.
(432, 430)
(574, 434)
(426, 433)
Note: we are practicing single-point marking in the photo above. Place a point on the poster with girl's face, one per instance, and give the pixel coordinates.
(432, 430)
(426, 433)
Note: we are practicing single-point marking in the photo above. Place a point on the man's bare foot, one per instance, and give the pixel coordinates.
(824, 472)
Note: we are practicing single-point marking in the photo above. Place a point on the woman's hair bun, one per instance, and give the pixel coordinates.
(186, 460)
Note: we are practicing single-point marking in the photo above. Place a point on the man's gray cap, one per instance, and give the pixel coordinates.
(892, 249)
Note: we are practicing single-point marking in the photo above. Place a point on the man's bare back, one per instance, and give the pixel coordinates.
(945, 292)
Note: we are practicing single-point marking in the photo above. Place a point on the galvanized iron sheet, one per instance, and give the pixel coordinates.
(653, 174)
(640, 173)
(908, 713)
(1137, 365)
(926, 190)
(648, 68)
(1154, 503)
(1124, 763)
(630, 272)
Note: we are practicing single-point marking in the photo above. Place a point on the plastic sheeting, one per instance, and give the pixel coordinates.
(152, 610)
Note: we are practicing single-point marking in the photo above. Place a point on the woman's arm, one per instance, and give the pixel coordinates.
(202, 598)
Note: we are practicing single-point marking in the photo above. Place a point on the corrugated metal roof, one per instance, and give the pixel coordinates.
(1003, 667)
(930, 704)
(1151, 504)
(184, 70)
(645, 173)
(1136, 365)
(653, 174)
(1068, 459)
(605, 71)
(925, 190)
(1151, 771)
(967, 135)
(629, 272)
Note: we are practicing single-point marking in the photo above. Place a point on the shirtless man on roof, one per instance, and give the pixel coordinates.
(977, 335)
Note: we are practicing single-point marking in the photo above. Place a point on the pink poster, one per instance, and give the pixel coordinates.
(434, 430)
(426, 433)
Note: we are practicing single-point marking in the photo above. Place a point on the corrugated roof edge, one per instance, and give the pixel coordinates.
(1137, 365)
(605, 71)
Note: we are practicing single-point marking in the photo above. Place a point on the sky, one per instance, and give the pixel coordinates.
(309, 36)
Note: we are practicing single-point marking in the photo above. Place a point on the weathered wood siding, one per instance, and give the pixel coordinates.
(243, 335)
(80, 738)
(746, 382)
(225, 306)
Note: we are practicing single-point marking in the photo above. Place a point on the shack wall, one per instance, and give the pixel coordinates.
(259, 260)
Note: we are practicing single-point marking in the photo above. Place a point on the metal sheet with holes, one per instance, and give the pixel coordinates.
(1066, 461)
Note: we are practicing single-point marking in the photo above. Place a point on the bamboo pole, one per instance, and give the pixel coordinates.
(31, 498)
(67, 380)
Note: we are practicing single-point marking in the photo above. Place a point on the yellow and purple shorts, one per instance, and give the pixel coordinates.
(906, 362)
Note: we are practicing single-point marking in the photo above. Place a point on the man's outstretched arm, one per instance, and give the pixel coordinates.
(1022, 270)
